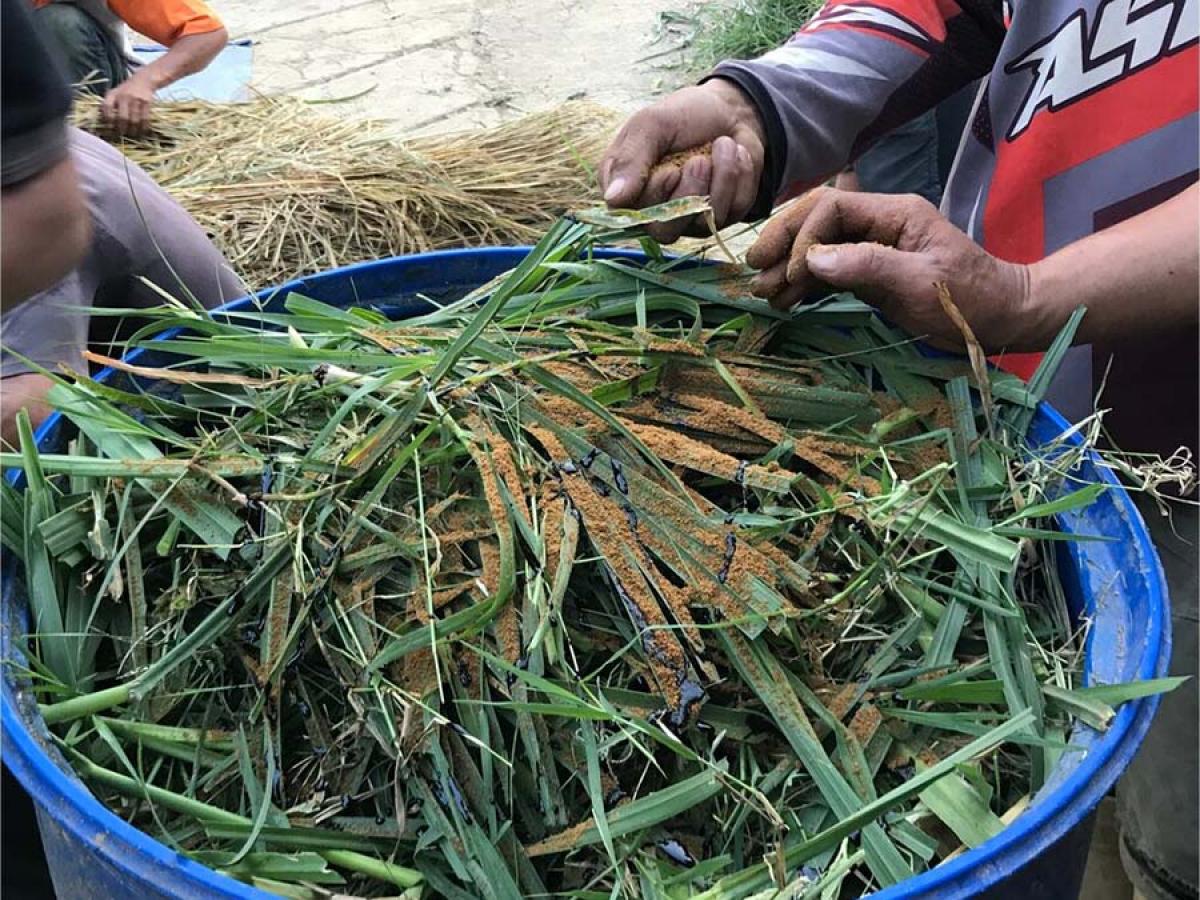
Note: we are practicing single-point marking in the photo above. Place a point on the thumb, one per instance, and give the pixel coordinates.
(869, 268)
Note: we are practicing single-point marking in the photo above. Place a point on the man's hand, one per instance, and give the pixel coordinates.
(716, 112)
(126, 108)
(893, 251)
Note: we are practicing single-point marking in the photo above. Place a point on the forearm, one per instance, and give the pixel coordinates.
(1137, 279)
(187, 56)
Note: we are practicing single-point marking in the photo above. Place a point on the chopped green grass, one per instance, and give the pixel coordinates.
(556, 589)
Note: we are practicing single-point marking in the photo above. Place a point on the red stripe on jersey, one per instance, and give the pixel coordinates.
(928, 17)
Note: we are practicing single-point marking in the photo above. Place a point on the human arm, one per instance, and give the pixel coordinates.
(44, 231)
(44, 225)
(1138, 278)
(852, 74)
(193, 36)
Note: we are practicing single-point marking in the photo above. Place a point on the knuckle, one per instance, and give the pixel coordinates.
(871, 259)
(834, 199)
(774, 232)
(916, 205)
(828, 207)
(649, 118)
(635, 123)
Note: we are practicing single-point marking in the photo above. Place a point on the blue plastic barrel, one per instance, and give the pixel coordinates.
(94, 854)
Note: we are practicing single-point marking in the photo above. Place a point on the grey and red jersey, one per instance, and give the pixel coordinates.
(1088, 113)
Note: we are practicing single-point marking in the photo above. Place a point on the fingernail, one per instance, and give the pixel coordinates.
(723, 150)
(821, 259)
(743, 156)
(615, 189)
(698, 168)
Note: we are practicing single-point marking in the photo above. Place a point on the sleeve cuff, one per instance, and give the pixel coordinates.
(775, 152)
(200, 25)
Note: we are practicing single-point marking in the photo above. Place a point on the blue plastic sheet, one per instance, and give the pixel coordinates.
(225, 79)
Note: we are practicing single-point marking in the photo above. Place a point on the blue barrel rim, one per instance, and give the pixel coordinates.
(1050, 816)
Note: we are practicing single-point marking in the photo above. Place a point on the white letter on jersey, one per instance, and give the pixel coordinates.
(1128, 35)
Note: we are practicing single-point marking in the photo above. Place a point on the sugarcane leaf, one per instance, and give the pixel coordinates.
(913, 838)
(972, 723)
(978, 545)
(12, 518)
(119, 436)
(1043, 534)
(553, 243)
(596, 791)
(769, 680)
(1117, 694)
(961, 809)
(263, 803)
(167, 468)
(1078, 499)
(636, 815)
(718, 295)
(746, 882)
(622, 219)
(286, 867)
(56, 646)
(1018, 419)
(983, 691)
(627, 388)
(296, 838)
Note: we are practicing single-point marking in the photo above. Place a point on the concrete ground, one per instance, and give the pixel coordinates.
(1105, 878)
(441, 65)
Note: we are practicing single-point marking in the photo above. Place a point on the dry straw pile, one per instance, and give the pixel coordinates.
(287, 190)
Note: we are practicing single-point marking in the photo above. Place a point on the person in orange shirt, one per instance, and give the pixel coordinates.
(90, 35)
